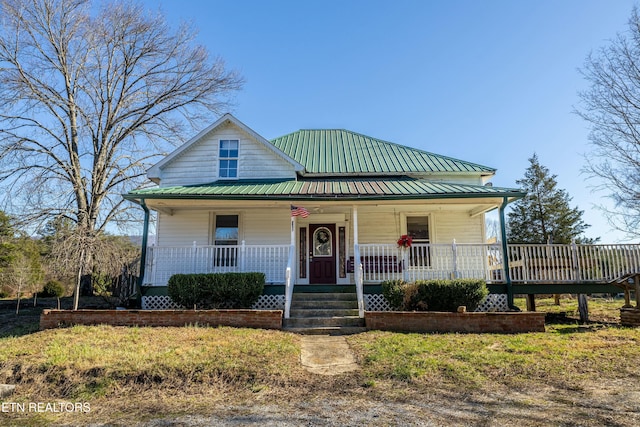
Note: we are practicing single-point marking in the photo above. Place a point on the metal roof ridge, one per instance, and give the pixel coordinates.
(395, 144)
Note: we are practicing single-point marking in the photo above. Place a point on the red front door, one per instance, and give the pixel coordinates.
(322, 253)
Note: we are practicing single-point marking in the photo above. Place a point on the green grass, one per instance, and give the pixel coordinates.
(561, 357)
(601, 309)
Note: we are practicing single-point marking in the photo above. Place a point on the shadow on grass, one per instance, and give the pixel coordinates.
(564, 324)
(27, 321)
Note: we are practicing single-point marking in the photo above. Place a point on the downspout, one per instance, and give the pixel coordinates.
(505, 254)
(143, 250)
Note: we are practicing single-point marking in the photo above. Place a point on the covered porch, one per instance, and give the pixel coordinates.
(289, 264)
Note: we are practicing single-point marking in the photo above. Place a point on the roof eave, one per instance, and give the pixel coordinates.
(511, 196)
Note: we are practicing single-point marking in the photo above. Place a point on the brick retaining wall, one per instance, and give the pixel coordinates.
(513, 322)
(264, 319)
(630, 317)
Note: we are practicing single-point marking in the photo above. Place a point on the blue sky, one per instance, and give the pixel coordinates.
(485, 81)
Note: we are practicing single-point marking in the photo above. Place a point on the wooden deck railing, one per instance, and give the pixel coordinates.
(573, 263)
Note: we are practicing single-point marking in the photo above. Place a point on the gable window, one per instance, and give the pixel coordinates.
(226, 240)
(228, 155)
(418, 229)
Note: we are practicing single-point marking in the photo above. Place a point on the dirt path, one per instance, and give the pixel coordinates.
(518, 409)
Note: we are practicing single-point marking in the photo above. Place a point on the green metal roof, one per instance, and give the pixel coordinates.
(339, 151)
(348, 189)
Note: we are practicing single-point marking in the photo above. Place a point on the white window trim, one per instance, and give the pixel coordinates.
(429, 215)
(237, 159)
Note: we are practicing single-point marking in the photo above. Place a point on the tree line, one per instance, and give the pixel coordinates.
(37, 265)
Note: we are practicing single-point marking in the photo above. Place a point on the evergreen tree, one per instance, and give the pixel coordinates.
(544, 214)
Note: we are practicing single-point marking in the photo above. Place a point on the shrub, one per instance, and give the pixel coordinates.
(393, 291)
(184, 289)
(52, 289)
(444, 295)
(217, 290)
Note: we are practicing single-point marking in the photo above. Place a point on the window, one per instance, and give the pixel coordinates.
(226, 230)
(322, 242)
(226, 234)
(228, 167)
(418, 229)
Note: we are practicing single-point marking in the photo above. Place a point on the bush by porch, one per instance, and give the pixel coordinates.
(435, 295)
(216, 290)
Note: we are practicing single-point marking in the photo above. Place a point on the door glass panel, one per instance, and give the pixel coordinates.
(322, 242)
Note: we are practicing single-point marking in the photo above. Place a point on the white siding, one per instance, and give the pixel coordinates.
(452, 178)
(257, 227)
(378, 227)
(446, 225)
(266, 226)
(272, 226)
(458, 225)
(199, 164)
(183, 228)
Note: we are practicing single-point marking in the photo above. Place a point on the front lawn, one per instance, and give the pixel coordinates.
(570, 375)
(143, 373)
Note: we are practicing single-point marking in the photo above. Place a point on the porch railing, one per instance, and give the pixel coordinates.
(430, 261)
(163, 262)
(557, 263)
(379, 262)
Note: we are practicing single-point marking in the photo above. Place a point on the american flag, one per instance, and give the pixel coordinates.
(299, 211)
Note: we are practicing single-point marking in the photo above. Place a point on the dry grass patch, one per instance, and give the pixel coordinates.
(88, 362)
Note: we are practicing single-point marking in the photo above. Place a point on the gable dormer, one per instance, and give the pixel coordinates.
(227, 150)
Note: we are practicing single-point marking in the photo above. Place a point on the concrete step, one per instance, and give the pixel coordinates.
(322, 312)
(328, 330)
(301, 305)
(316, 322)
(324, 296)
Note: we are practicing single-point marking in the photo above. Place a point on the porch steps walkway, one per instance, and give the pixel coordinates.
(324, 314)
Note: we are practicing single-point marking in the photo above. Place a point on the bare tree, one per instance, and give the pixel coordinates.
(89, 100)
(611, 106)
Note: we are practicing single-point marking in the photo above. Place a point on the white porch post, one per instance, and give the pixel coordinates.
(357, 271)
(243, 254)
(290, 275)
(292, 254)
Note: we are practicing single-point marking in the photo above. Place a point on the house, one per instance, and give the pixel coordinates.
(302, 208)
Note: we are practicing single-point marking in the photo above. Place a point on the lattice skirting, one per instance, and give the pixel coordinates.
(376, 302)
(373, 302)
(269, 302)
(494, 302)
(163, 302)
(159, 302)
